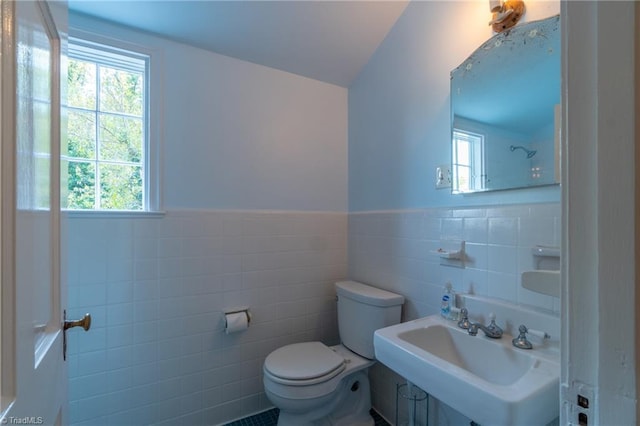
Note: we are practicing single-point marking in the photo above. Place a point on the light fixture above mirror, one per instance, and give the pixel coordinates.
(506, 13)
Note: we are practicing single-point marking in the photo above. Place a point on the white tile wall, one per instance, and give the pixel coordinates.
(156, 289)
(392, 250)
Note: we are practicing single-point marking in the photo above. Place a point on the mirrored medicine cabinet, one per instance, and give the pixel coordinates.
(505, 103)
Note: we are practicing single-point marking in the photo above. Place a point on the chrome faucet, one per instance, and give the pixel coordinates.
(464, 321)
(522, 342)
(492, 330)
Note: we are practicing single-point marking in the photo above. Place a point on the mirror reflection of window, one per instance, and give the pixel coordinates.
(468, 161)
(505, 91)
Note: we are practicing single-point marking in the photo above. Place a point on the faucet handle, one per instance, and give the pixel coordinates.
(464, 321)
(521, 341)
(492, 325)
(538, 333)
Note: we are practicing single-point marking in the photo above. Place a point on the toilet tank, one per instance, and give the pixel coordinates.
(362, 310)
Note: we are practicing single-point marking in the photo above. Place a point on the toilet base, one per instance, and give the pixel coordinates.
(349, 406)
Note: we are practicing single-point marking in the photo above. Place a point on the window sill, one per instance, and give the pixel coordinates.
(113, 214)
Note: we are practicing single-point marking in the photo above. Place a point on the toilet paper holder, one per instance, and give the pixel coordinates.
(237, 311)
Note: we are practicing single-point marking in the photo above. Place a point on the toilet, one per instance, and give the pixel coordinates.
(314, 384)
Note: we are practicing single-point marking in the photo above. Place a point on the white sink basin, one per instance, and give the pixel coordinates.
(487, 380)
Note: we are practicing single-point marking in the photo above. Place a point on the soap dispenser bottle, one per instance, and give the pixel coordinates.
(448, 303)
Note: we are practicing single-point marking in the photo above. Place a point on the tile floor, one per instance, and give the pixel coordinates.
(270, 418)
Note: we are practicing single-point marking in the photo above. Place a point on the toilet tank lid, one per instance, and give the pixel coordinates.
(367, 294)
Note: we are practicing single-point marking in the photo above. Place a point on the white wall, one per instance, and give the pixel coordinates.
(251, 137)
(394, 250)
(156, 289)
(398, 123)
(254, 185)
(243, 136)
(399, 131)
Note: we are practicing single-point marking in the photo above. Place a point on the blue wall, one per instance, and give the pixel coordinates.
(399, 111)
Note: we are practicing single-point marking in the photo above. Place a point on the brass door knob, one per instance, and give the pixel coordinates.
(85, 323)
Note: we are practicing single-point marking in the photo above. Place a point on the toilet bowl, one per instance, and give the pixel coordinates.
(336, 377)
(314, 384)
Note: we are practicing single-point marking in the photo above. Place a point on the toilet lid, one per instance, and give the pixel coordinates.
(303, 361)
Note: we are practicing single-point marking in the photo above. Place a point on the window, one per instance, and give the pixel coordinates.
(468, 161)
(105, 159)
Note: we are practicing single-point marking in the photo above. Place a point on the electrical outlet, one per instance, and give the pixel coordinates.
(578, 400)
(443, 176)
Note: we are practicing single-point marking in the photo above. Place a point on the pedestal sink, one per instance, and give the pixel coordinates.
(487, 380)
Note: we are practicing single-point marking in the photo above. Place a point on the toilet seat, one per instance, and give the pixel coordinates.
(303, 364)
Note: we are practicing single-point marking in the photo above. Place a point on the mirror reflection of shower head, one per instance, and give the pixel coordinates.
(530, 152)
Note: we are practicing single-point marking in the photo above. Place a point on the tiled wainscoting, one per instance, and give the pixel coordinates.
(156, 288)
(395, 251)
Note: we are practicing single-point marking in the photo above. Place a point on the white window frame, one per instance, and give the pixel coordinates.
(80, 42)
(476, 165)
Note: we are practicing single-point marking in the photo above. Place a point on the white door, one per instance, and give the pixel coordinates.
(33, 375)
